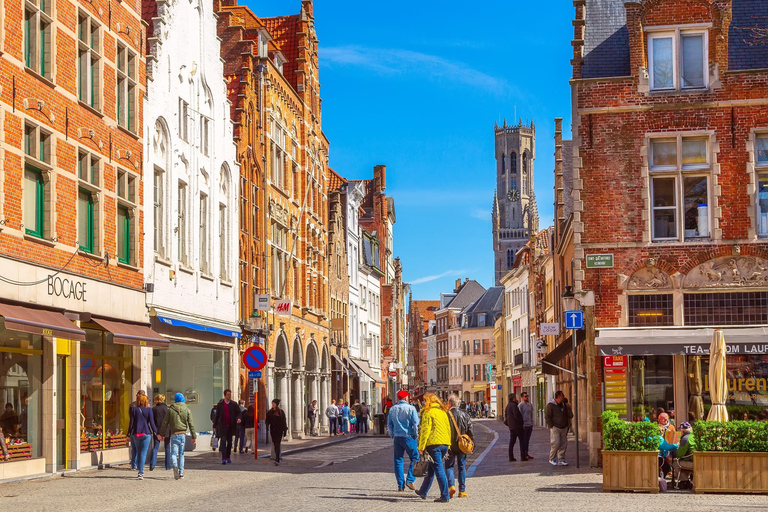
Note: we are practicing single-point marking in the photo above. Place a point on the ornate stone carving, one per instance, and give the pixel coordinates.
(729, 272)
(278, 213)
(649, 278)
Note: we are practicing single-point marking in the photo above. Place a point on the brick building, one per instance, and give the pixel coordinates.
(670, 130)
(75, 326)
(339, 286)
(420, 313)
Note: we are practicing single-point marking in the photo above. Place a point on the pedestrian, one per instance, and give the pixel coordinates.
(362, 421)
(226, 421)
(277, 426)
(464, 423)
(312, 417)
(141, 428)
(240, 435)
(558, 417)
(514, 421)
(3, 446)
(339, 407)
(214, 439)
(434, 439)
(130, 412)
(177, 422)
(403, 426)
(158, 412)
(358, 412)
(526, 411)
(345, 412)
(332, 412)
(249, 424)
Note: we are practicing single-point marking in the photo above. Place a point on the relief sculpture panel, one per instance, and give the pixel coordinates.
(729, 272)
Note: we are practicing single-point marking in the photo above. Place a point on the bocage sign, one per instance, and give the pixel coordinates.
(67, 288)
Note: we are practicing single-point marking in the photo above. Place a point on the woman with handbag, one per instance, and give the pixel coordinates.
(434, 440)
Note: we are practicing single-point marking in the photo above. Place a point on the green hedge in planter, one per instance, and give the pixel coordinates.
(731, 436)
(621, 435)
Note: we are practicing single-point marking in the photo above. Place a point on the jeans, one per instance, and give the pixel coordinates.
(405, 445)
(142, 446)
(177, 451)
(438, 452)
(225, 446)
(345, 424)
(133, 453)
(513, 437)
(240, 437)
(156, 448)
(450, 463)
(312, 424)
(362, 425)
(332, 425)
(526, 440)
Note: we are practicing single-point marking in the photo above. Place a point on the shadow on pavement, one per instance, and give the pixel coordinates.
(581, 487)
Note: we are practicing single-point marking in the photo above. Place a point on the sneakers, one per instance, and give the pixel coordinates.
(451, 491)
(562, 463)
(553, 462)
(462, 495)
(181, 476)
(229, 461)
(140, 477)
(176, 474)
(223, 462)
(411, 486)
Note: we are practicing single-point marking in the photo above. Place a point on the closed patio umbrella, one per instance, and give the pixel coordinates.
(695, 402)
(718, 380)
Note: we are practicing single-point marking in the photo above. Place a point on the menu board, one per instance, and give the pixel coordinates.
(615, 378)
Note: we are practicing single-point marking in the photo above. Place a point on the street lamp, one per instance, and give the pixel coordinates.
(570, 303)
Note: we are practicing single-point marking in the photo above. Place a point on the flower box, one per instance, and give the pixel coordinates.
(630, 471)
(731, 472)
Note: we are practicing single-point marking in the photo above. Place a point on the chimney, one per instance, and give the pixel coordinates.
(380, 177)
(306, 6)
(458, 284)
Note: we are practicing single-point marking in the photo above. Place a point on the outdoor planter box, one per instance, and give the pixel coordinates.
(731, 472)
(630, 471)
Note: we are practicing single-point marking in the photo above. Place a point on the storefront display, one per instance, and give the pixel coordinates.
(651, 386)
(21, 361)
(747, 386)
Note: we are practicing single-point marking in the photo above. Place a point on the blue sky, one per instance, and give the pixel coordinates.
(417, 86)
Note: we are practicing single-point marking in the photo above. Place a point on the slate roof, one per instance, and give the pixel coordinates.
(469, 292)
(285, 31)
(744, 50)
(490, 301)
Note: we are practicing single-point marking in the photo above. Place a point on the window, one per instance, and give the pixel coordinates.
(37, 147)
(513, 163)
(37, 36)
(124, 221)
(503, 164)
(183, 119)
(204, 233)
(244, 204)
(677, 60)
(254, 210)
(223, 248)
(88, 173)
(126, 186)
(126, 88)
(279, 257)
(181, 227)
(486, 347)
(650, 310)
(204, 134)
(761, 164)
(735, 308)
(157, 192)
(89, 61)
(477, 372)
(476, 350)
(679, 188)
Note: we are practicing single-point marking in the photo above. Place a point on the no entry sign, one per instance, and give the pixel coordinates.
(255, 358)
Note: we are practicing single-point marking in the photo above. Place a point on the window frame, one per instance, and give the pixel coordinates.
(38, 153)
(89, 176)
(127, 85)
(676, 34)
(40, 58)
(86, 50)
(124, 227)
(761, 171)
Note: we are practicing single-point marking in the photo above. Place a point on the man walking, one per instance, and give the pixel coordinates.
(403, 426)
(240, 436)
(362, 421)
(177, 422)
(312, 417)
(331, 412)
(558, 418)
(358, 414)
(514, 421)
(226, 422)
(461, 420)
(526, 411)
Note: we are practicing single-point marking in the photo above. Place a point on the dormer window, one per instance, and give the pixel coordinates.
(677, 60)
(263, 44)
(279, 60)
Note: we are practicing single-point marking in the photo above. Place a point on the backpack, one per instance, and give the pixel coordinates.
(466, 444)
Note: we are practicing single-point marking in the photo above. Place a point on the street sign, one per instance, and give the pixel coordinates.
(549, 329)
(599, 260)
(574, 319)
(254, 374)
(255, 358)
(393, 374)
(262, 302)
(541, 347)
(498, 386)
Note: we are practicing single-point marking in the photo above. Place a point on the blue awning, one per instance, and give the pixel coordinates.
(198, 327)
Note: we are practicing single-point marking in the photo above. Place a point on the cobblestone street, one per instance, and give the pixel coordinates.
(352, 475)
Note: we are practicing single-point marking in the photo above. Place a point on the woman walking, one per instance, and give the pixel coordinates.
(249, 420)
(277, 426)
(141, 428)
(434, 438)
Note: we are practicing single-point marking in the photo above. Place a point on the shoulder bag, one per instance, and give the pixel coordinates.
(466, 444)
(422, 465)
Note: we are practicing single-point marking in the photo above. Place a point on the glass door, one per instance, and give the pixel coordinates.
(61, 413)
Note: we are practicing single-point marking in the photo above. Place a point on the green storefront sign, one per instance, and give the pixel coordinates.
(599, 260)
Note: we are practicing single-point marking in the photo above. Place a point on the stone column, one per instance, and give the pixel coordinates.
(269, 389)
(285, 398)
(302, 407)
(323, 404)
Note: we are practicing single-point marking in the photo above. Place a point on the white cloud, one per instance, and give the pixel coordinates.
(481, 214)
(448, 273)
(396, 61)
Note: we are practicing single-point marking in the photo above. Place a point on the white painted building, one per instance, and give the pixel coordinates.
(431, 340)
(516, 327)
(353, 192)
(190, 221)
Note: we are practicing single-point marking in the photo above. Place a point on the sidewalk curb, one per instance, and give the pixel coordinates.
(473, 467)
(344, 439)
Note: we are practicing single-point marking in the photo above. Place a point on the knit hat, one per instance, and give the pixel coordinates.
(179, 397)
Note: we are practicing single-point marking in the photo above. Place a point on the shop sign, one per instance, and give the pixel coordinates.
(283, 308)
(690, 349)
(599, 260)
(615, 361)
(549, 329)
(541, 347)
(262, 302)
(67, 288)
(615, 374)
(731, 349)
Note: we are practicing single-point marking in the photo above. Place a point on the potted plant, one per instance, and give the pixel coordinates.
(631, 455)
(730, 457)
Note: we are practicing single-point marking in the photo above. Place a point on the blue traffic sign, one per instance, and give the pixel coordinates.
(254, 375)
(574, 319)
(255, 358)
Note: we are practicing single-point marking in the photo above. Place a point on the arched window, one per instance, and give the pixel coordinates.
(503, 164)
(224, 228)
(510, 258)
(513, 162)
(161, 151)
(525, 162)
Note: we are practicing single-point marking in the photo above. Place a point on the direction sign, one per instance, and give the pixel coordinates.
(574, 319)
(393, 373)
(599, 260)
(254, 374)
(255, 358)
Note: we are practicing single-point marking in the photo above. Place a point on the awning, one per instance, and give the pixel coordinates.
(341, 363)
(199, 327)
(132, 334)
(366, 370)
(679, 341)
(40, 322)
(549, 363)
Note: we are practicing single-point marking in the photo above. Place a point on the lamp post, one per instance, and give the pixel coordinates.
(570, 303)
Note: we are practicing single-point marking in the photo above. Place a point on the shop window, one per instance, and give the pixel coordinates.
(105, 392)
(652, 386)
(21, 389)
(677, 60)
(747, 379)
(89, 61)
(761, 165)
(720, 309)
(650, 310)
(126, 87)
(37, 36)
